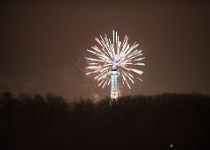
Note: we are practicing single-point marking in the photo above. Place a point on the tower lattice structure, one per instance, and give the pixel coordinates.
(114, 85)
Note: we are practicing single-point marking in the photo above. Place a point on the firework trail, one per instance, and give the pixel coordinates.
(114, 55)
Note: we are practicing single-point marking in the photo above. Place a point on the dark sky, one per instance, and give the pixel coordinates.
(43, 45)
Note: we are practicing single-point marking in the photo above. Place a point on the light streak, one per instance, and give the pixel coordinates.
(114, 54)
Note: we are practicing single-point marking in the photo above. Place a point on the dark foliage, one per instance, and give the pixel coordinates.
(139, 122)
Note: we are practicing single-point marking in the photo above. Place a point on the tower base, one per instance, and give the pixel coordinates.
(114, 102)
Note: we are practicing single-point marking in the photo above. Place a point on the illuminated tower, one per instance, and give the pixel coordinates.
(114, 85)
(114, 58)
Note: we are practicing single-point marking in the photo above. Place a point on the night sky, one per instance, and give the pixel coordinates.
(43, 45)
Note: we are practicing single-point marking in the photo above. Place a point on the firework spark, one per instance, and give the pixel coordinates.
(114, 55)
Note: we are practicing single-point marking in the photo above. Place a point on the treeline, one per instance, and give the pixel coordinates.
(50, 122)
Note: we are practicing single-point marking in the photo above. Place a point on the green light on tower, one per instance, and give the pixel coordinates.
(114, 86)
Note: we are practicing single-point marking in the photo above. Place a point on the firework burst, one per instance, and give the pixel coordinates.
(114, 55)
